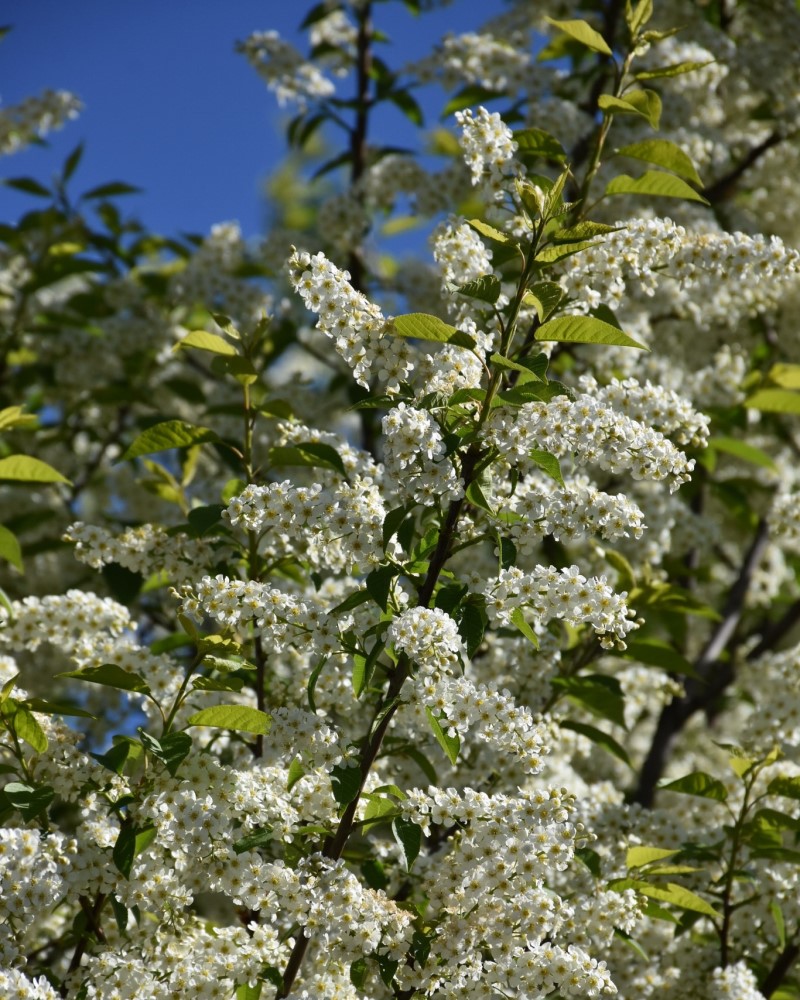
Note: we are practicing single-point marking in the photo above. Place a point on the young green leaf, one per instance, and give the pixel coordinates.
(599, 737)
(769, 401)
(582, 32)
(422, 326)
(450, 744)
(654, 183)
(167, 435)
(409, 837)
(645, 103)
(204, 341)
(663, 153)
(239, 718)
(585, 330)
(111, 675)
(698, 783)
(10, 549)
(24, 469)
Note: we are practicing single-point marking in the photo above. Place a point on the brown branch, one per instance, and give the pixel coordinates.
(714, 677)
(725, 187)
(777, 973)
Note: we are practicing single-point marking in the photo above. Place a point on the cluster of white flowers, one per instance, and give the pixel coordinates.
(492, 716)
(498, 926)
(488, 146)
(31, 881)
(34, 117)
(415, 457)
(336, 527)
(279, 617)
(776, 722)
(461, 254)
(145, 549)
(576, 510)
(356, 326)
(657, 407)
(566, 594)
(60, 619)
(722, 276)
(429, 637)
(735, 982)
(591, 432)
(474, 58)
(14, 983)
(210, 276)
(284, 70)
(784, 519)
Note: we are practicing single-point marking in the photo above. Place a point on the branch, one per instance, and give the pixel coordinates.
(714, 677)
(725, 187)
(777, 973)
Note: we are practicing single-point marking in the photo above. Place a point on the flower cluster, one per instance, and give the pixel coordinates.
(284, 70)
(488, 146)
(415, 457)
(145, 549)
(21, 123)
(429, 637)
(356, 326)
(591, 432)
(566, 594)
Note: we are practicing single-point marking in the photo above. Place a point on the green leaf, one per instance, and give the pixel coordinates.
(770, 401)
(785, 786)
(656, 653)
(379, 585)
(585, 330)
(111, 675)
(258, 838)
(345, 783)
(599, 737)
(450, 744)
(528, 374)
(296, 772)
(393, 521)
(111, 190)
(409, 837)
(663, 153)
(310, 454)
(785, 375)
(548, 463)
(115, 757)
(244, 991)
(241, 368)
(655, 183)
(472, 622)
(240, 718)
(358, 973)
(560, 251)
(30, 802)
(10, 549)
(582, 32)
(487, 288)
(468, 97)
(15, 416)
(408, 105)
(780, 923)
(24, 469)
(601, 695)
(698, 783)
(740, 449)
(537, 142)
(591, 859)
(645, 103)
(636, 17)
(28, 186)
(174, 749)
(130, 842)
(27, 728)
(638, 857)
(672, 893)
(519, 623)
(422, 326)
(204, 341)
(545, 297)
(476, 496)
(167, 435)
(202, 519)
(676, 69)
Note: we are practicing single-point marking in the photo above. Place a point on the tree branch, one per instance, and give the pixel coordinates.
(714, 677)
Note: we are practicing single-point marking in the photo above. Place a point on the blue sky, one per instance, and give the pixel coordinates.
(169, 105)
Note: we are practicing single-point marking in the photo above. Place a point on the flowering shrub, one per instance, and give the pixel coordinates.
(399, 628)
